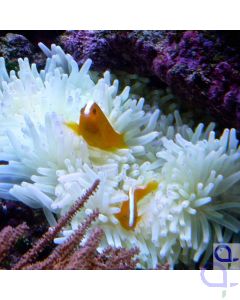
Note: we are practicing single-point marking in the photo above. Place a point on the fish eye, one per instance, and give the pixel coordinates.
(94, 111)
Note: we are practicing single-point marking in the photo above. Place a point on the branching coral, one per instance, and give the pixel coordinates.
(9, 237)
(69, 255)
(52, 232)
(61, 132)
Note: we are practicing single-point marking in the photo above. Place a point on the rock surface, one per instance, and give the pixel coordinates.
(199, 66)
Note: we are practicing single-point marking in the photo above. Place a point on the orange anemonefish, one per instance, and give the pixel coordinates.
(95, 128)
(128, 216)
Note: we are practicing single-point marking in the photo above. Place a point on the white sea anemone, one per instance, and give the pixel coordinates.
(197, 201)
(49, 165)
(64, 89)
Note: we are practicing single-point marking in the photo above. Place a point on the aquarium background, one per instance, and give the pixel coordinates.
(193, 72)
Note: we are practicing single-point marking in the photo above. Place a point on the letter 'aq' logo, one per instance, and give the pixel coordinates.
(223, 258)
(218, 251)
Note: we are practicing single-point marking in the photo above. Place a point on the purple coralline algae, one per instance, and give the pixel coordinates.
(199, 66)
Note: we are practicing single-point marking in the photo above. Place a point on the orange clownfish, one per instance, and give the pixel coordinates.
(95, 128)
(128, 216)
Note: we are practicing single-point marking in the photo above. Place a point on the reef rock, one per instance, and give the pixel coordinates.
(13, 46)
(198, 66)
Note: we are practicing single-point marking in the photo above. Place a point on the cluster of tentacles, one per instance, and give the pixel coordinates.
(72, 254)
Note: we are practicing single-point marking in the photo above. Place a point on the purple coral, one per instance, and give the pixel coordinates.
(198, 65)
